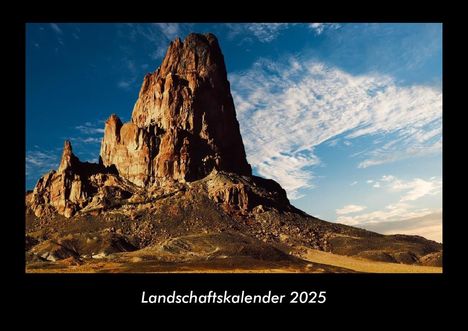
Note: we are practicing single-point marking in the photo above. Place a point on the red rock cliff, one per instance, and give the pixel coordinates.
(183, 124)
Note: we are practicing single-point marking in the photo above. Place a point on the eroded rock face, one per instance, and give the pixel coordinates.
(244, 193)
(183, 124)
(130, 148)
(61, 189)
(76, 185)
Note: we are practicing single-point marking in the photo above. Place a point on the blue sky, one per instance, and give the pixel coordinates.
(346, 117)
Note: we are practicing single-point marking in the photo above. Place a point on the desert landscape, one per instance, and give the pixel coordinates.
(173, 192)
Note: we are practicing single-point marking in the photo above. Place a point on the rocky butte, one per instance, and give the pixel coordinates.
(174, 184)
(183, 124)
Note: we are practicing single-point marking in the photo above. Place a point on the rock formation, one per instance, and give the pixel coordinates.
(73, 186)
(130, 149)
(61, 189)
(183, 127)
(183, 124)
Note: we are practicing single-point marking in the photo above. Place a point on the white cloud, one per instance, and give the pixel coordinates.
(415, 188)
(268, 32)
(428, 226)
(319, 28)
(39, 162)
(85, 144)
(263, 32)
(392, 212)
(90, 134)
(38, 158)
(353, 183)
(289, 108)
(58, 35)
(56, 28)
(350, 209)
(86, 140)
(170, 30)
(402, 148)
(89, 128)
(388, 178)
(124, 84)
(395, 217)
(290, 170)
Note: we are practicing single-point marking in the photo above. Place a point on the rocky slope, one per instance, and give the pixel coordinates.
(174, 184)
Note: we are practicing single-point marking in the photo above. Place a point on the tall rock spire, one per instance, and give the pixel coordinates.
(69, 160)
(184, 122)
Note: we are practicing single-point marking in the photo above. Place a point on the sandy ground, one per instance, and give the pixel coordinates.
(317, 257)
(363, 265)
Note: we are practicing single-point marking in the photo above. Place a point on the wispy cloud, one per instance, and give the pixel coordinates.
(263, 32)
(86, 140)
(290, 170)
(170, 30)
(287, 108)
(394, 218)
(124, 84)
(428, 226)
(392, 212)
(400, 149)
(131, 76)
(58, 34)
(350, 209)
(152, 38)
(86, 148)
(268, 32)
(89, 138)
(40, 161)
(413, 189)
(89, 128)
(56, 28)
(156, 35)
(319, 28)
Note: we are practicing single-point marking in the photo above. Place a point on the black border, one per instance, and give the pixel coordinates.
(364, 293)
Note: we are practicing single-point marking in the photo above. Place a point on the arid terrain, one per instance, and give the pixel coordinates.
(173, 192)
(188, 232)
